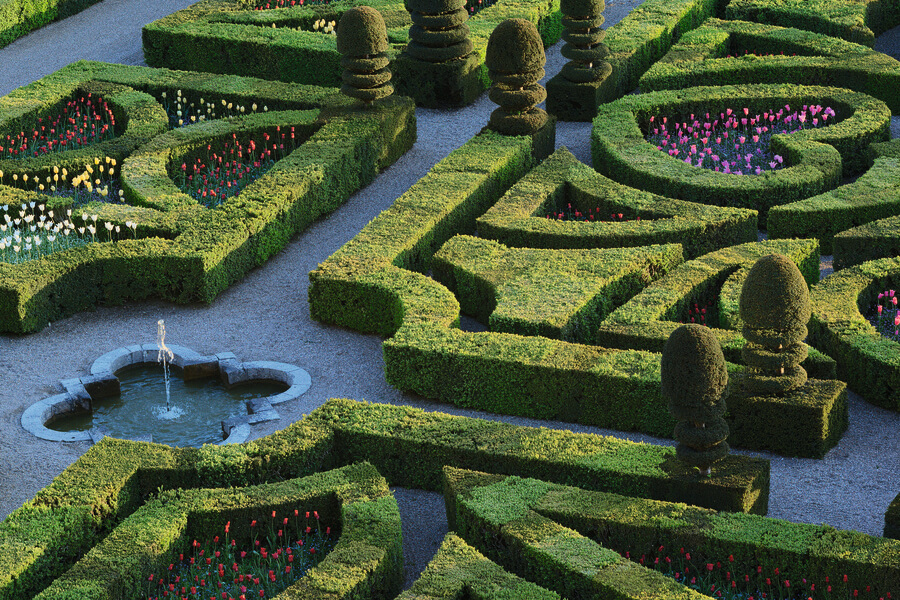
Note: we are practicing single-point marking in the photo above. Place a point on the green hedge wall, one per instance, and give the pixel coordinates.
(19, 17)
(853, 20)
(701, 57)
(519, 218)
(816, 157)
(878, 239)
(187, 253)
(866, 360)
(103, 495)
(227, 36)
(482, 507)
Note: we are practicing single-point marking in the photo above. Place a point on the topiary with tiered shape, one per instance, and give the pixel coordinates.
(362, 40)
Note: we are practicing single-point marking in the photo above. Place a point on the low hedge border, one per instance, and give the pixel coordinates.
(224, 36)
(872, 197)
(19, 17)
(460, 571)
(367, 560)
(494, 514)
(866, 360)
(201, 252)
(112, 479)
(817, 157)
(892, 519)
(878, 239)
(369, 284)
(700, 58)
(519, 218)
(640, 526)
(560, 294)
(852, 20)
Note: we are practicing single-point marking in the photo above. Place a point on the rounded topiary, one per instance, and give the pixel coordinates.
(515, 60)
(694, 380)
(584, 45)
(439, 32)
(775, 309)
(362, 39)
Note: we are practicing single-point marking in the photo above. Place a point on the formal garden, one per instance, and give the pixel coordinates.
(717, 277)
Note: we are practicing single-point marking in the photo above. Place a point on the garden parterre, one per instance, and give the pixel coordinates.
(230, 466)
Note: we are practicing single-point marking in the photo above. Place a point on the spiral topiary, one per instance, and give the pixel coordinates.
(362, 39)
(439, 31)
(694, 380)
(775, 309)
(584, 41)
(515, 60)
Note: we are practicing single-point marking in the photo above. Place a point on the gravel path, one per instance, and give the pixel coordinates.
(850, 489)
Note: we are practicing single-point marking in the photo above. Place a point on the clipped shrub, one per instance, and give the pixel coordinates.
(362, 40)
(515, 60)
(775, 309)
(694, 379)
(439, 31)
(584, 45)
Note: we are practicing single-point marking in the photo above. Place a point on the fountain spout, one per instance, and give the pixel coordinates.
(165, 355)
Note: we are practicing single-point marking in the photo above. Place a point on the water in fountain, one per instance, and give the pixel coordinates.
(165, 355)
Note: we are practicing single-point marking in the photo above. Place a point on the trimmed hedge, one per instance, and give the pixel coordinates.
(494, 514)
(878, 239)
(199, 252)
(459, 571)
(19, 17)
(519, 217)
(817, 157)
(112, 479)
(226, 36)
(701, 58)
(560, 294)
(871, 197)
(866, 360)
(367, 560)
(853, 20)
(482, 505)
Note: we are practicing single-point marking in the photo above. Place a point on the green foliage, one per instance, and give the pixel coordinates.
(817, 156)
(775, 296)
(199, 252)
(515, 60)
(866, 360)
(877, 239)
(361, 32)
(892, 519)
(18, 17)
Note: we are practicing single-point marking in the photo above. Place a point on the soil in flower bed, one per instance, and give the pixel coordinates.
(80, 121)
(733, 141)
(264, 567)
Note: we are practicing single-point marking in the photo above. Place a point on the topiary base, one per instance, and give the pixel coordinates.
(570, 101)
(432, 85)
(736, 484)
(805, 422)
(892, 519)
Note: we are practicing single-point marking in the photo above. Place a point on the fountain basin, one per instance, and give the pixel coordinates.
(81, 392)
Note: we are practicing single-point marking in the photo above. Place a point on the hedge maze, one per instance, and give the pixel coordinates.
(577, 274)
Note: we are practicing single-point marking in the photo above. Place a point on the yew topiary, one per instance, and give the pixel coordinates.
(439, 32)
(694, 380)
(775, 309)
(362, 39)
(584, 41)
(515, 60)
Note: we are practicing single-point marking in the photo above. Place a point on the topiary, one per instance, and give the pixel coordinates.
(775, 309)
(362, 39)
(515, 60)
(694, 380)
(584, 41)
(439, 32)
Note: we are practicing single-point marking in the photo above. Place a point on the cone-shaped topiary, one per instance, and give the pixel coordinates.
(584, 41)
(775, 309)
(439, 31)
(515, 60)
(362, 39)
(694, 379)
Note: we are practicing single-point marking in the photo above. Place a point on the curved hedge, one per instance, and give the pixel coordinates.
(185, 252)
(735, 53)
(817, 157)
(878, 239)
(866, 360)
(226, 36)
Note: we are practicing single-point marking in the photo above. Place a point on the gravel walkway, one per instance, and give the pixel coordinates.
(850, 489)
